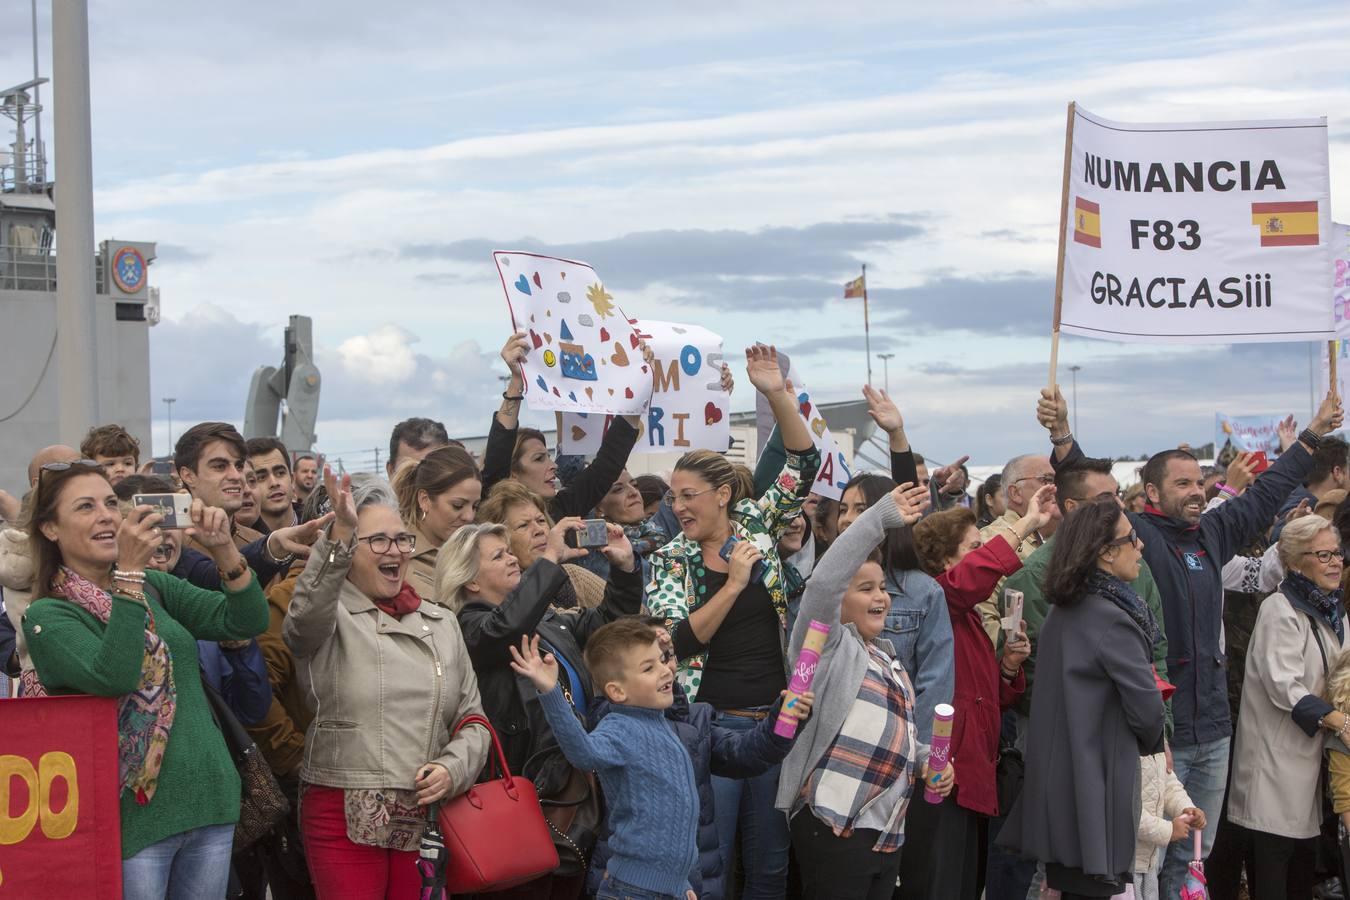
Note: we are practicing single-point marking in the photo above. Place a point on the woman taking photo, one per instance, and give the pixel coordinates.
(850, 775)
(437, 495)
(528, 525)
(389, 678)
(1096, 709)
(1274, 799)
(479, 577)
(107, 624)
(946, 838)
(721, 588)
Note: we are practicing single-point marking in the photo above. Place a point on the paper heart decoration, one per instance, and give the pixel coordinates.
(537, 282)
(531, 317)
(711, 414)
(564, 297)
(578, 433)
(572, 395)
(523, 285)
(536, 340)
(818, 426)
(611, 392)
(633, 339)
(604, 334)
(677, 329)
(556, 393)
(628, 393)
(539, 380)
(590, 393)
(620, 357)
(805, 406)
(562, 275)
(548, 338)
(644, 370)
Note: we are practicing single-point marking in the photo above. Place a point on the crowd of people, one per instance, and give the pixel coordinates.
(1114, 672)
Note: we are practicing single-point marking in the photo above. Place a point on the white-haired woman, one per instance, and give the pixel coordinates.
(389, 678)
(477, 576)
(1274, 798)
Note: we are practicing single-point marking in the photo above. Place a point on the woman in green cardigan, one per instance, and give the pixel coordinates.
(108, 625)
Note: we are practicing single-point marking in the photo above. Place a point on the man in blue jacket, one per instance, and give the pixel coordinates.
(1186, 548)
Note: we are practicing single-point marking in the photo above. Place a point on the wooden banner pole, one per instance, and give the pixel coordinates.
(1331, 365)
(1063, 236)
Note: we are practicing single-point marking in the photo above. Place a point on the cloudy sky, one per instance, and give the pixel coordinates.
(726, 164)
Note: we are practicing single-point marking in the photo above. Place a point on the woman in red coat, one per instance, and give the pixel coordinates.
(946, 844)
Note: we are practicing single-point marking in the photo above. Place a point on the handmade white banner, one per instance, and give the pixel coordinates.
(834, 471)
(1243, 434)
(689, 410)
(584, 353)
(1198, 232)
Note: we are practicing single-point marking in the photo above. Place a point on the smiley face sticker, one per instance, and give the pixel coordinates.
(550, 358)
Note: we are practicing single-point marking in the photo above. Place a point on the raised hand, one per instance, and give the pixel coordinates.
(911, 499)
(761, 367)
(210, 526)
(1016, 650)
(296, 540)
(941, 476)
(514, 351)
(883, 410)
(344, 507)
(1288, 433)
(1040, 509)
(1052, 411)
(728, 381)
(1330, 415)
(619, 550)
(1240, 472)
(541, 670)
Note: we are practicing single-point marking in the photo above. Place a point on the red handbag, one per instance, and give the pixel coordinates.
(495, 831)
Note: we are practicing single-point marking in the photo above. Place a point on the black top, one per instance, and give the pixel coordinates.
(744, 665)
(584, 491)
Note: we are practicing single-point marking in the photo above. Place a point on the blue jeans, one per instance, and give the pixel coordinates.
(747, 805)
(612, 888)
(193, 865)
(1203, 770)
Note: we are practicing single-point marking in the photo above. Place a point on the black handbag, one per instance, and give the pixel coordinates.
(262, 805)
(1009, 774)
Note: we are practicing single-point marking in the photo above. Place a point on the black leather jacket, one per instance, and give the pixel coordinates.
(510, 702)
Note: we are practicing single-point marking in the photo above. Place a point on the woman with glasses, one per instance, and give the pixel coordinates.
(1274, 798)
(480, 578)
(389, 678)
(947, 841)
(106, 623)
(720, 587)
(1096, 710)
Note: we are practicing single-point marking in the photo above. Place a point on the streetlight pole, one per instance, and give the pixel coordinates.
(168, 406)
(886, 364)
(1075, 370)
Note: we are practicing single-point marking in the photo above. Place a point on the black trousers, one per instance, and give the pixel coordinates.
(835, 868)
(943, 857)
(1279, 868)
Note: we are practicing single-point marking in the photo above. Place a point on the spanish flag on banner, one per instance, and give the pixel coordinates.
(1292, 224)
(1087, 222)
(855, 289)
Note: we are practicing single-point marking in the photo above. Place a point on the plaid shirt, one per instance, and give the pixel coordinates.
(875, 748)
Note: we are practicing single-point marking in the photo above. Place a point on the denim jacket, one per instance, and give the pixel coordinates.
(920, 630)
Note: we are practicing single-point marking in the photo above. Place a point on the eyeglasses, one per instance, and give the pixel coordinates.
(685, 497)
(1132, 539)
(1047, 478)
(1326, 556)
(163, 551)
(380, 543)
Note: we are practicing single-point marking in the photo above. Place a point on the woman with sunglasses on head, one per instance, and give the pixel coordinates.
(109, 624)
(389, 678)
(479, 576)
(1274, 798)
(720, 586)
(946, 848)
(1096, 710)
(438, 495)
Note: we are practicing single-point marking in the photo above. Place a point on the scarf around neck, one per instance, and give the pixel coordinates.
(1124, 596)
(1327, 605)
(402, 603)
(144, 716)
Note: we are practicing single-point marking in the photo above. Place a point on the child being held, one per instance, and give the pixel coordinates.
(1338, 745)
(645, 771)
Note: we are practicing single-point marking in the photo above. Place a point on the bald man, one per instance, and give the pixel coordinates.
(16, 565)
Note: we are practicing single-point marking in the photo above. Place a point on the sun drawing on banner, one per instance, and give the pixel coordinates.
(601, 299)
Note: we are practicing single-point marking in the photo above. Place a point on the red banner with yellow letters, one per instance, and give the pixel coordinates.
(60, 823)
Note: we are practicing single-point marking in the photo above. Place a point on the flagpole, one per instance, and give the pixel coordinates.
(867, 332)
(1331, 365)
(1063, 232)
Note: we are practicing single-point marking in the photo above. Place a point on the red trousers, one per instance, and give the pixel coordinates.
(342, 870)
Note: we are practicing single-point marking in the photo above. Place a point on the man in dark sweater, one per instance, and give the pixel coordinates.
(1186, 549)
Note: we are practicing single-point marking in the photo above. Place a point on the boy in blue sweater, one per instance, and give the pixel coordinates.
(645, 771)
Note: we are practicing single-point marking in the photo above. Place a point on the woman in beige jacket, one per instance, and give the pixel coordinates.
(388, 677)
(1273, 796)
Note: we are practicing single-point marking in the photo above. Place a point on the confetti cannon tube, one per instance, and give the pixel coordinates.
(940, 747)
(802, 675)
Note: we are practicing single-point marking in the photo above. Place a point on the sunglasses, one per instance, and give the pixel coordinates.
(1132, 539)
(67, 466)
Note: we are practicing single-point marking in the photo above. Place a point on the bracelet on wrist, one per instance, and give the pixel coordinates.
(137, 575)
(513, 399)
(1062, 441)
(1311, 438)
(1223, 488)
(237, 572)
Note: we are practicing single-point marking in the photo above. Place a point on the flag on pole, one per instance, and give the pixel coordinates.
(856, 289)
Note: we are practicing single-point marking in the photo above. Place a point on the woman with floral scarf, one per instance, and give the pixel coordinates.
(109, 625)
(720, 587)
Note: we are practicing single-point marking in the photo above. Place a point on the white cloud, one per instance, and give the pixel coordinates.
(383, 357)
